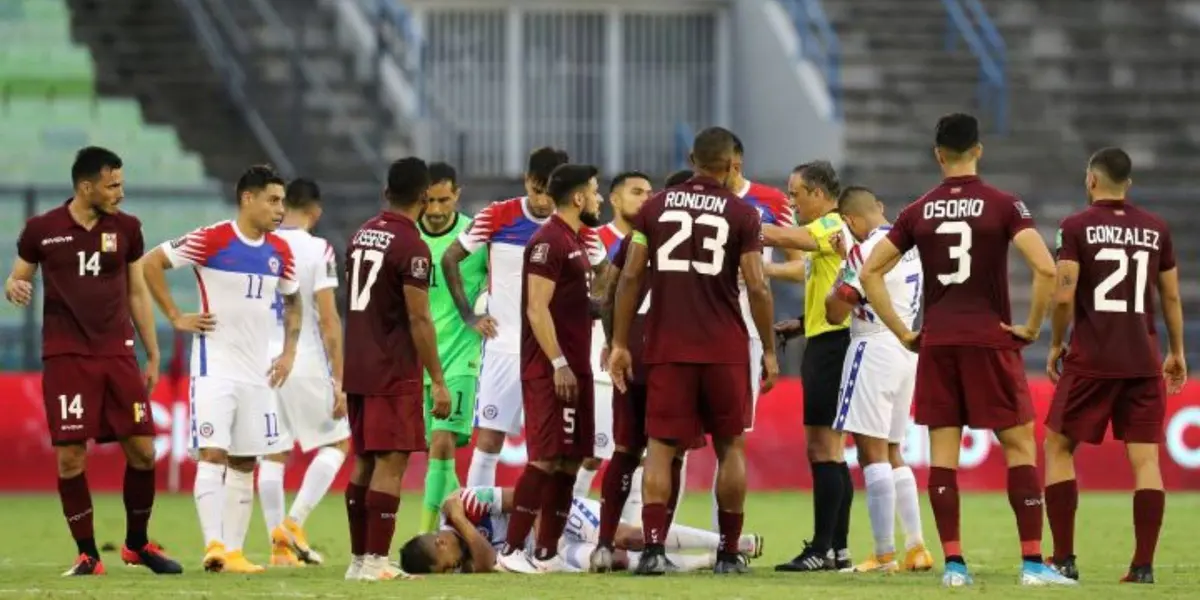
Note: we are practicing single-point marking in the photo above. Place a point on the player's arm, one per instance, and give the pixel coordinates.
(1064, 301)
(537, 310)
(882, 260)
(792, 270)
(18, 288)
(330, 324)
(1031, 245)
(608, 306)
(483, 556)
(141, 309)
(420, 320)
(841, 300)
(625, 296)
(762, 305)
(795, 238)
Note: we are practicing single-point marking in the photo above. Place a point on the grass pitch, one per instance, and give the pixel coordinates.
(37, 549)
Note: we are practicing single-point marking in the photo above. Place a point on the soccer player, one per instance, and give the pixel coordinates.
(697, 348)
(312, 406)
(815, 188)
(458, 344)
(89, 252)
(474, 521)
(878, 376)
(626, 193)
(556, 370)
(240, 267)
(390, 335)
(969, 369)
(1110, 256)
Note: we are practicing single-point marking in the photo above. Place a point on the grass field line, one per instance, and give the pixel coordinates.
(206, 593)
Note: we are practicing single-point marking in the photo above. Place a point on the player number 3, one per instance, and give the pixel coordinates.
(714, 244)
(960, 253)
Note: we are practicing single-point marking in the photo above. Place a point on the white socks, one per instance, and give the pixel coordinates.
(317, 479)
(270, 493)
(908, 504)
(483, 469)
(682, 537)
(239, 505)
(632, 511)
(881, 506)
(583, 482)
(209, 492)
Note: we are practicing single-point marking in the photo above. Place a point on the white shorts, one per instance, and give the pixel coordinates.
(498, 406)
(756, 357)
(305, 411)
(876, 393)
(237, 417)
(603, 420)
(583, 522)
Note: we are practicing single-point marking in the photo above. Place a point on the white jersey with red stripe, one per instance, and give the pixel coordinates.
(316, 270)
(610, 237)
(773, 209)
(237, 278)
(506, 227)
(484, 508)
(903, 284)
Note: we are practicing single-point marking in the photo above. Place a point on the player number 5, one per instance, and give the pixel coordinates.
(568, 420)
(714, 244)
(72, 406)
(960, 253)
(360, 291)
(1101, 300)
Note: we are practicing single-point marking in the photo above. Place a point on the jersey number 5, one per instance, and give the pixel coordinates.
(360, 291)
(1101, 300)
(960, 253)
(714, 244)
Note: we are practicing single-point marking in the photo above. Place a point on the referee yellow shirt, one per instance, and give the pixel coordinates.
(820, 272)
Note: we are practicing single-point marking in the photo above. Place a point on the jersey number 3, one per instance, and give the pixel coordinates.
(714, 244)
(960, 253)
(360, 291)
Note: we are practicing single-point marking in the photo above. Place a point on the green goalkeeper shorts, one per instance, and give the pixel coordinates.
(462, 410)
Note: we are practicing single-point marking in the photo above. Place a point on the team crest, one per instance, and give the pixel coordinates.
(206, 430)
(420, 267)
(331, 269)
(273, 265)
(108, 242)
(540, 252)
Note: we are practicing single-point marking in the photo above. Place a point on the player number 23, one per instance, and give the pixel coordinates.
(360, 291)
(714, 244)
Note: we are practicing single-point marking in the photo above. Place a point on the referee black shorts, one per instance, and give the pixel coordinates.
(821, 376)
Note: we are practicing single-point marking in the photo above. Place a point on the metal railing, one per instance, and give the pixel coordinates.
(968, 20)
(819, 44)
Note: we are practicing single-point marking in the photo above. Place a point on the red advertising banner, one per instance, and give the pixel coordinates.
(774, 450)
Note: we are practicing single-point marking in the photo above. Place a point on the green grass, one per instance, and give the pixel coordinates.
(37, 548)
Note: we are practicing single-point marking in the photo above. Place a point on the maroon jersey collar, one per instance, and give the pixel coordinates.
(391, 215)
(560, 223)
(1109, 203)
(704, 180)
(69, 218)
(961, 179)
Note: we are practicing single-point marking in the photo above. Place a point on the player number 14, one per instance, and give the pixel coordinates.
(89, 263)
(1101, 300)
(71, 405)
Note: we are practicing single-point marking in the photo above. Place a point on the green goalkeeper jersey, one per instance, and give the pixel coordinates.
(459, 345)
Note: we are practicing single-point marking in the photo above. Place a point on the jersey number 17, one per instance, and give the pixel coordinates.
(360, 291)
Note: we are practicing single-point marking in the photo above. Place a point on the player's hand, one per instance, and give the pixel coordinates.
(604, 352)
(837, 242)
(18, 291)
(485, 325)
(150, 372)
(566, 387)
(620, 367)
(441, 400)
(770, 371)
(281, 367)
(195, 322)
(339, 402)
(911, 340)
(1054, 362)
(1021, 332)
(791, 328)
(1175, 373)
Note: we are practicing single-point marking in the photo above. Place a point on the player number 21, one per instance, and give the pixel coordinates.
(714, 244)
(1101, 300)
(360, 291)
(960, 253)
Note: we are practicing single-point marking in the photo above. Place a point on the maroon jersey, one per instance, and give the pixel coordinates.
(695, 235)
(962, 230)
(385, 255)
(637, 328)
(1120, 249)
(85, 308)
(559, 254)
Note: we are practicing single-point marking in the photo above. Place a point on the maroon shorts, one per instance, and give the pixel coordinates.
(981, 388)
(387, 423)
(554, 429)
(1083, 407)
(684, 401)
(98, 398)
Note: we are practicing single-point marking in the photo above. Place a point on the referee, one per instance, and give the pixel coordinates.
(814, 189)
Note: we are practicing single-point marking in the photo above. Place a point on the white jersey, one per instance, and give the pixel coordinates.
(506, 227)
(237, 279)
(316, 270)
(611, 238)
(903, 285)
(484, 507)
(773, 209)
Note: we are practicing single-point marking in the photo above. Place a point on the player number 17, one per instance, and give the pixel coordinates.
(360, 291)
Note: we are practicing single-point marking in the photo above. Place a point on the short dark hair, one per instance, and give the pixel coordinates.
(738, 148)
(821, 174)
(542, 163)
(853, 197)
(678, 177)
(442, 171)
(624, 176)
(712, 146)
(256, 178)
(566, 179)
(91, 161)
(1113, 162)
(407, 180)
(416, 557)
(957, 132)
(302, 192)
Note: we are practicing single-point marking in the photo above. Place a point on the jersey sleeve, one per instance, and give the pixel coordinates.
(414, 266)
(750, 233)
(851, 267)
(137, 243)
(194, 248)
(1019, 219)
(1067, 242)
(479, 503)
(1166, 252)
(28, 246)
(481, 230)
(596, 252)
(544, 259)
(822, 231)
(901, 233)
(288, 282)
(325, 276)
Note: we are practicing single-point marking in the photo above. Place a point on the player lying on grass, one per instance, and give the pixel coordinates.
(474, 522)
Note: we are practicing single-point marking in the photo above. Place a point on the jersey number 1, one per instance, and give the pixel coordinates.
(360, 291)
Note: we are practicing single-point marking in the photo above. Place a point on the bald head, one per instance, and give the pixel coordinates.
(861, 210)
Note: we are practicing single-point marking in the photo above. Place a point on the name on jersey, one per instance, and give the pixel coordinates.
(704, 202)
(958, 208)
(373, 238)
(58, 239)
(1122, 236)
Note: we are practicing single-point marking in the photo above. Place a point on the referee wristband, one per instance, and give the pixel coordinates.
(559, 362)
